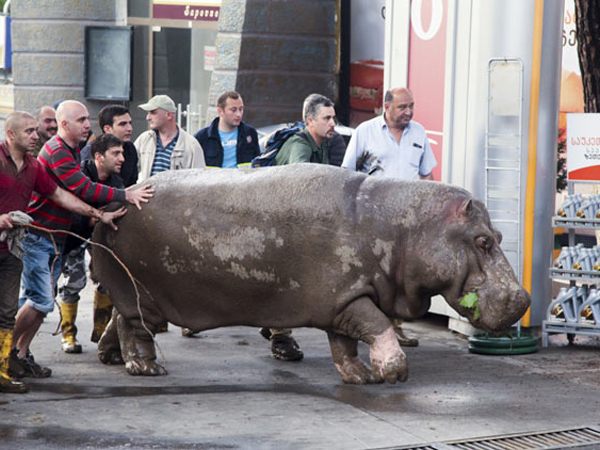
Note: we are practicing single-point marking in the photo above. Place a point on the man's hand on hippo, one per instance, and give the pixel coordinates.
(138, 196)
(108, 218)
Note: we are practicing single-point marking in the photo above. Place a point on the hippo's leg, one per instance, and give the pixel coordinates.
(109, 348)
(345, 357)
(362, 320)
(137, 348)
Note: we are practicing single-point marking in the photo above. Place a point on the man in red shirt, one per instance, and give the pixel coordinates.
(20, 175)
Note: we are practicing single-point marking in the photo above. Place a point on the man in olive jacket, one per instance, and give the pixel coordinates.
(309, 145)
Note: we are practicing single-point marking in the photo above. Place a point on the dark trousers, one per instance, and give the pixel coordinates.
(10, 280)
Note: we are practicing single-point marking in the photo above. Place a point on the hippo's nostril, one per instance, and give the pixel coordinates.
(523, 298)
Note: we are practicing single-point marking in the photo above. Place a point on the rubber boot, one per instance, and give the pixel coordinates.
(103, 307)
(7, 384)
(68, 312)
(403, 339)
(283, 346)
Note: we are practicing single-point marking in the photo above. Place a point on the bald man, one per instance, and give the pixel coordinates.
(20, 175)
(60, 157)
(392, 145)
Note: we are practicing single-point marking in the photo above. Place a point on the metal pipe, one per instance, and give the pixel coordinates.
(534, 106)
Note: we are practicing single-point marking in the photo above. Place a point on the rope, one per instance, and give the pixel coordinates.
(134, 280)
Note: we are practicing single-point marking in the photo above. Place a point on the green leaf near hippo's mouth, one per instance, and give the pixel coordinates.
(471, 301)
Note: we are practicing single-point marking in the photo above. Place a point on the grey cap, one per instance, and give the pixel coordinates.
(160, 101)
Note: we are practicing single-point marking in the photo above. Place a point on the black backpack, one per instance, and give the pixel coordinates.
(274, 144)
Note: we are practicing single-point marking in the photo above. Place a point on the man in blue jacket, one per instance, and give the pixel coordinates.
(228, 142)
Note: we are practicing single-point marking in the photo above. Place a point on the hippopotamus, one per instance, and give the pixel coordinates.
(303, 245)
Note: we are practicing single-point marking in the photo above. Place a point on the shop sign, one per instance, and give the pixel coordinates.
(583, 147)
(199, 10)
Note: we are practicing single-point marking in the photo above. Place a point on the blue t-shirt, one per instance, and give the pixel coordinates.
(229, 143)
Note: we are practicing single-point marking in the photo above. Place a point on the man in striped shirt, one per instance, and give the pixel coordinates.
(60, 157)
(165, 146)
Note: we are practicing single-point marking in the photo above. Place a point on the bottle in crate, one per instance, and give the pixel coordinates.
(564, 260)
(563, 309)
(589, 311)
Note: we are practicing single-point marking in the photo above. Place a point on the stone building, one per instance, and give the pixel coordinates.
(275, 52)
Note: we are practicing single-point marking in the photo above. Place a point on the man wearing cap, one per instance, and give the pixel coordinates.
(165, 146)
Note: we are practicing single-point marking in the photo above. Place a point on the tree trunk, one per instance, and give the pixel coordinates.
(587, 18)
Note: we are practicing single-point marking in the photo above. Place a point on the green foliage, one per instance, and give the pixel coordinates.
(471, 301)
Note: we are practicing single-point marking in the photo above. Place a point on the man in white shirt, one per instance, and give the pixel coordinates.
(392, 145)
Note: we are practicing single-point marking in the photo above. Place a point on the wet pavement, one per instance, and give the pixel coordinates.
(223, 391)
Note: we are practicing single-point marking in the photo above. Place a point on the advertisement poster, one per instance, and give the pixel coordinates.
(583, 147)
(426, 69)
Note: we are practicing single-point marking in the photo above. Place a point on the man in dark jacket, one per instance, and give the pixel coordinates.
(107, 163)
(116, 120)
(228, 142)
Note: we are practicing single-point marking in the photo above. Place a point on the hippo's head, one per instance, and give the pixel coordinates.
(461, 255)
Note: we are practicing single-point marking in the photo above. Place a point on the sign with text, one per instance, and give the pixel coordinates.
(427, 70)
(197, 10)
(583, 147)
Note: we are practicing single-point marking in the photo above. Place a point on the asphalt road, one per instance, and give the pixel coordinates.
(223, 391)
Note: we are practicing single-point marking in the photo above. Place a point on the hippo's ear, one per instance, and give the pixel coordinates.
(465, 209)
(459, 210)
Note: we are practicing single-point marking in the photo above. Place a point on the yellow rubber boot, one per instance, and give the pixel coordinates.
(404, 340)
(68, 312)
(102, 313)
(7, 384)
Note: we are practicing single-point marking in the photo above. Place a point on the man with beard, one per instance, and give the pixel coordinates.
(47, 126)
(105, 167)
(309, 145)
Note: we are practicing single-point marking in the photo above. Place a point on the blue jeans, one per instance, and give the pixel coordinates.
(36, 281)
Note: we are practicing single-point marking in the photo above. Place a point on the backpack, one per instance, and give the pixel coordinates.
(274, 144)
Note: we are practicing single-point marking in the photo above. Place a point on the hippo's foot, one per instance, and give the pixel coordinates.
(139, 366)
(345, 357)
(354, 371)
(137, 348)
(109, 348)
(388, 361)
(111, 358)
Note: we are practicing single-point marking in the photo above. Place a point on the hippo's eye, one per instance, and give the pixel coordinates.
(484, 242)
